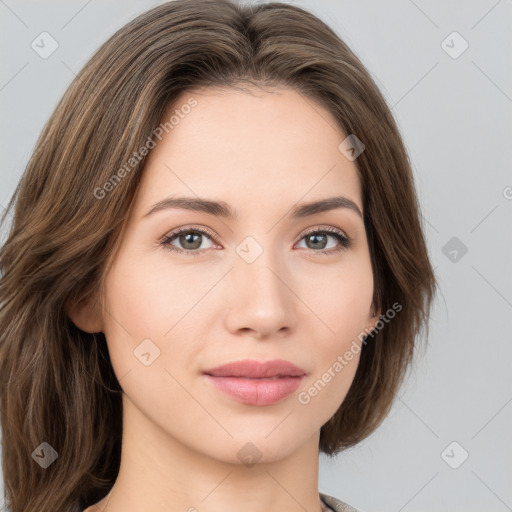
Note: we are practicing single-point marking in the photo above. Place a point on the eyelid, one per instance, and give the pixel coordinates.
(329, 229)
(191, 227)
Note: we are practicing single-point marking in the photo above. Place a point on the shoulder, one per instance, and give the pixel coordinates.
(336, 504)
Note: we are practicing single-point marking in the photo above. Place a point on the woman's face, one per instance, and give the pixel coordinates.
(258, 285)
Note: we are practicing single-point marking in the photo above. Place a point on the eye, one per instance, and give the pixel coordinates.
(191, 240)
(318, 239)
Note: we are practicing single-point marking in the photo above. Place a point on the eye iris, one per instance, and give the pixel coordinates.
(315, 236)
(188, 238)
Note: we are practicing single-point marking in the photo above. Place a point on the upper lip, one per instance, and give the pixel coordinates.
(252, 369)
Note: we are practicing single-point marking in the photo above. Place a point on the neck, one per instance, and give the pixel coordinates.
(160, 474)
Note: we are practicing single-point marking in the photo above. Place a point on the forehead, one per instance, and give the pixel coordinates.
(250, 147)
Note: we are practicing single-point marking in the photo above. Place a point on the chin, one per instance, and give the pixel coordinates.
(252, 448)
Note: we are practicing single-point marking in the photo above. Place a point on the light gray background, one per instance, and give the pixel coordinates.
(455, 116)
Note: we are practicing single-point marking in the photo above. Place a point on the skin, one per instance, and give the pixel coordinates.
(261, 151)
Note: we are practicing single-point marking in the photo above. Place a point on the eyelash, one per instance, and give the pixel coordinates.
(344, 240)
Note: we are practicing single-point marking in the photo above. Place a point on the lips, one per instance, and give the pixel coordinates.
(252, 369)
(256, 383)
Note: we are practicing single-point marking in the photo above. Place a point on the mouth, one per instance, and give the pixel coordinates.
(256, 383)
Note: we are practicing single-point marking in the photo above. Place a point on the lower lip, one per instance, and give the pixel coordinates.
(256, 391)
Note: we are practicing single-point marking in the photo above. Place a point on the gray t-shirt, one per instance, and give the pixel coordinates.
(332, 504)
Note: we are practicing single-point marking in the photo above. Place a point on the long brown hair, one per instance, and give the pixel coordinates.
(57, 384)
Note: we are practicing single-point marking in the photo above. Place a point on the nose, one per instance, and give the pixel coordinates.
(260, 297)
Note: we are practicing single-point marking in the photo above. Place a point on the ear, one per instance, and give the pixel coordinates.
(87, 316)
(373, 318)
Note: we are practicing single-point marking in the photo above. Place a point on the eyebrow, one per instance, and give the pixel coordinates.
(222, 209)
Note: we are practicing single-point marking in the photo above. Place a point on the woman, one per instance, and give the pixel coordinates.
(140, 378)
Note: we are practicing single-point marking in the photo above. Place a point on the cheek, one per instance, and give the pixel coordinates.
(147, 302)
(336, 358)
(135, 312)
(341, 301)
(143, 328)
(341, 296)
